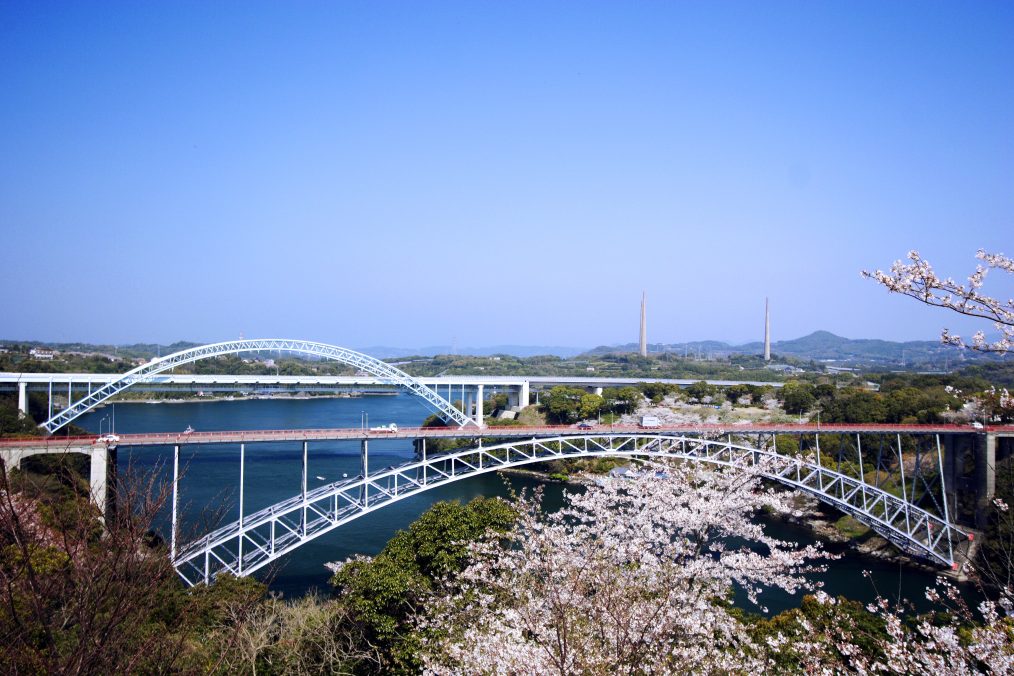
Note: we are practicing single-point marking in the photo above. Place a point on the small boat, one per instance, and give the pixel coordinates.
(321, 478)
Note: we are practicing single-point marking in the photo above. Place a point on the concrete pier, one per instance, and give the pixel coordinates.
(478, 405)
(102, 470)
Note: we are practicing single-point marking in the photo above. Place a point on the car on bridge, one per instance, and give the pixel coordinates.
(390, 428)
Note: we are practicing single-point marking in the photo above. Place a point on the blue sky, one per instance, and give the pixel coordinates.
(419, 173)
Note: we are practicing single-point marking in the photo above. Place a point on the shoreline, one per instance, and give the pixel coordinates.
(248, 397)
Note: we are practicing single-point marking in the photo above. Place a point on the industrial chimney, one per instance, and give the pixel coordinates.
(767, 331)
(644, 327)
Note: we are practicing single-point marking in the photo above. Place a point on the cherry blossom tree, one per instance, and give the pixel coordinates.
(953, 641)
(918, 280)
(632, 576)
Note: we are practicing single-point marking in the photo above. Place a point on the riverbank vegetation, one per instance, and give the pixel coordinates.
(492, 586)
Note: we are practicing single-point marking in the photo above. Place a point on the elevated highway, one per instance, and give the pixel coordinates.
(61, 388)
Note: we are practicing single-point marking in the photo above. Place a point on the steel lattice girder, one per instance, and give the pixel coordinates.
(364, 362)
(274, 531)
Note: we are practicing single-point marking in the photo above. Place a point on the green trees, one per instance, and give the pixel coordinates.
(702, 391)
(903, 405)
(562, 405)
(797, 397)
(858, 406)
(381, 594)
(623, 399)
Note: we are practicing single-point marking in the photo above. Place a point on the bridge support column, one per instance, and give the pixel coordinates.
(242, 477)
(102, 477)
(985, 476)
(424, 459)
(364, 459)
(478, 406)
(22, 400)
(518, 396)
(306, 472)
(961, 477)
(176, 500)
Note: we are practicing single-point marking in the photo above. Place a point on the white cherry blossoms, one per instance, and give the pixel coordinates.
(918, 280)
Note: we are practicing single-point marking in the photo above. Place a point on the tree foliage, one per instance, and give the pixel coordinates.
(383, 593)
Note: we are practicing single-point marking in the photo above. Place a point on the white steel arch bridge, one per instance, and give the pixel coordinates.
(376, 367)
(258, 539)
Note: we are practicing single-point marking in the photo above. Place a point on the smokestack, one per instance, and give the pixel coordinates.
(767, 331)
(644, 326)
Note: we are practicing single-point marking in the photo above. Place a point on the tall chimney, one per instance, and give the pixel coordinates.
(767, 331)
(644, 326)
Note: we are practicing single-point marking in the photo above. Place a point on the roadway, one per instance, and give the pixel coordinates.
(208, 380)
(82, 443)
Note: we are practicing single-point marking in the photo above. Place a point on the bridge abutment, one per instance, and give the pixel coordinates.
(101, 474)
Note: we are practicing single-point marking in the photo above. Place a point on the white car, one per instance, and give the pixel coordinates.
(108, 439)
(385, 428)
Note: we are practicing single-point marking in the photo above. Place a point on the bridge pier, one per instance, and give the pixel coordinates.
(519, 396)
(478, 405)
(985, 476)
(364, 463)
(969, 470)
(22, 400)
(102, 478)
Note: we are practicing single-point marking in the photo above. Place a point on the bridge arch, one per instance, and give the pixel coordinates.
(243, 547)
(361, 361)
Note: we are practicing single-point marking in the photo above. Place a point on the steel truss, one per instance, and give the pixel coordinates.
(246, 546)
(376, 367)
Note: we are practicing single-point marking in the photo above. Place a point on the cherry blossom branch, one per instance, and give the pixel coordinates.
(918, 280)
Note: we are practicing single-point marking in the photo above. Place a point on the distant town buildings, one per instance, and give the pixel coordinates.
(42, 354)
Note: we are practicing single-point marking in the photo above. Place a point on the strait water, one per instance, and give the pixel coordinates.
(273, 472)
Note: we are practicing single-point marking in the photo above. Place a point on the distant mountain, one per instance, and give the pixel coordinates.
(823, 346)
(818, 346)
(384, 352)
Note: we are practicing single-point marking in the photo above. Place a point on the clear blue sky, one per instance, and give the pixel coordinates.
(409, 174)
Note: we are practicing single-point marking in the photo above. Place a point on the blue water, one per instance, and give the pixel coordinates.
(209, 487)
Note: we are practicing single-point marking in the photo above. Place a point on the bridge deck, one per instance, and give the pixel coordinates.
(514, 432)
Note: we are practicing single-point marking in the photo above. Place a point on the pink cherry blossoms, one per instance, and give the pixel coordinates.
(630, 577)
(918, 280)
